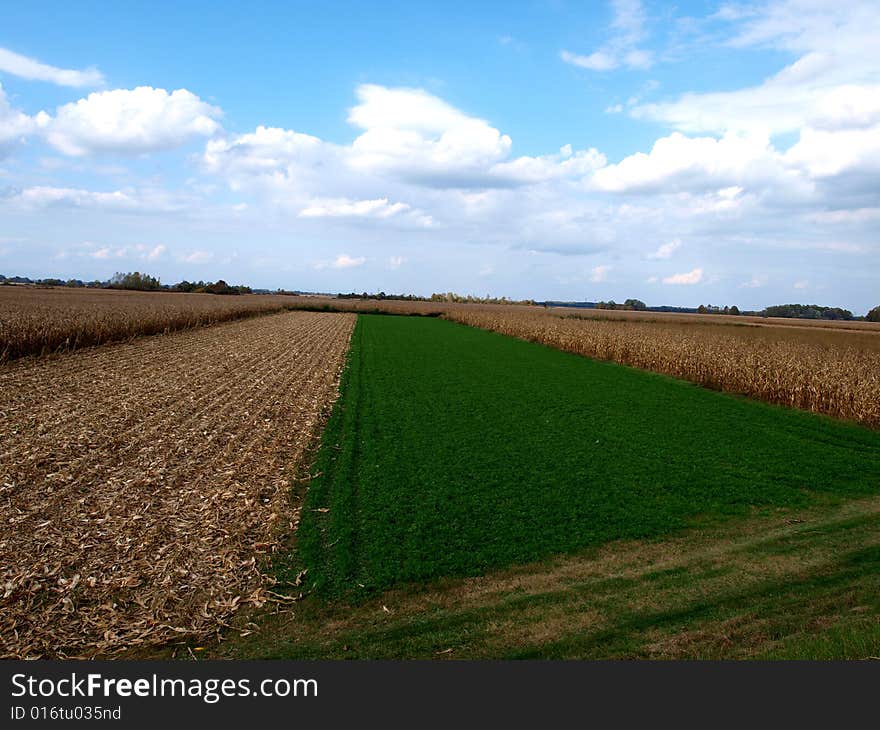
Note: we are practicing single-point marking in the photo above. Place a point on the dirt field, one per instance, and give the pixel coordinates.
(144, 485)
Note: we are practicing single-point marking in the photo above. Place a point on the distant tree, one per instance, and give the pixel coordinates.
(134, 280)
(734, 310)
(635, 304)
(807, 311)
(873, 315)
(702, 309)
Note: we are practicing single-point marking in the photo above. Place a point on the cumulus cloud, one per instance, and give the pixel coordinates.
(197, 257)
(127, 200)
(420, 137)
(14, 124)
(344, 208)
(855, 215)
(678, 162)
(266, 150)
(31, 69)
(833, 83)
(599, 273)
(689, 277)
(342, 261)
(596, 61)
(824, 153)
(129, 121)
(105, 252)
(666, 250)
(42, 196)
(564, 164)
(395, 262)
(409, 144)
(627, 31)
(754, 283)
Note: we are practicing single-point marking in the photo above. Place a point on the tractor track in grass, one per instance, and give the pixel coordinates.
(144, 485)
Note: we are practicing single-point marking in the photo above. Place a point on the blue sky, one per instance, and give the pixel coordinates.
(705, 152)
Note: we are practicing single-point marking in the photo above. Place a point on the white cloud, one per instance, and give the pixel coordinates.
(395, 262)
(855, 215)
(825, 154)
(103, 252)
(420, 137)
(832, 83)
(802, 284)
(596, 61)
(127, 200)
(266, 150)
(680, 162)
(754, 283)
(564, 164)
(156, 252)
(666, 250)
(197, 257)
(44, 196)
(344, 208)
(129, 121)
(628, 30)
(342, 261)
(409, 140)
(33, 70)
(690, 277)
(599, 273)
(14, 125)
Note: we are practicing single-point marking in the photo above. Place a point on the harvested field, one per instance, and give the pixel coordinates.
(830, 367)
(38, 321)
(145, 486)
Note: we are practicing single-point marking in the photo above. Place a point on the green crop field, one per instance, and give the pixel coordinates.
(454, 451)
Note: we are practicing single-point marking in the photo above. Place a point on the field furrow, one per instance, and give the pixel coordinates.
(144, 485)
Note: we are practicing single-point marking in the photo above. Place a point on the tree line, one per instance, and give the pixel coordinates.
(134, 281)
(137, 281)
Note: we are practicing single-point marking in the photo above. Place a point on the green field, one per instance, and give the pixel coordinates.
(454, 452)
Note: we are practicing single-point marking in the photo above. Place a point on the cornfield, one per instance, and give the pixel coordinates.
(40, 321)
(824, 367)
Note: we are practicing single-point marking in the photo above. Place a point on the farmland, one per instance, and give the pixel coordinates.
(38, 321)
(455, 451)
(820, 366)
(829, 370)
(478, 496)
(494, 480)
(144, 486)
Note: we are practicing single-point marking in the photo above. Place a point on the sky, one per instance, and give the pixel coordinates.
(691, 153)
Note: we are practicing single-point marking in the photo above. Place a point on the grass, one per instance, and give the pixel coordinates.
(454, 451)
(789, 584)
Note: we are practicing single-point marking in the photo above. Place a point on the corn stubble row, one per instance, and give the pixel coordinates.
(809, 371)
(144, 487)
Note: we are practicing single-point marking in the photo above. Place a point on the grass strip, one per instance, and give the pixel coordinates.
(453, 451)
